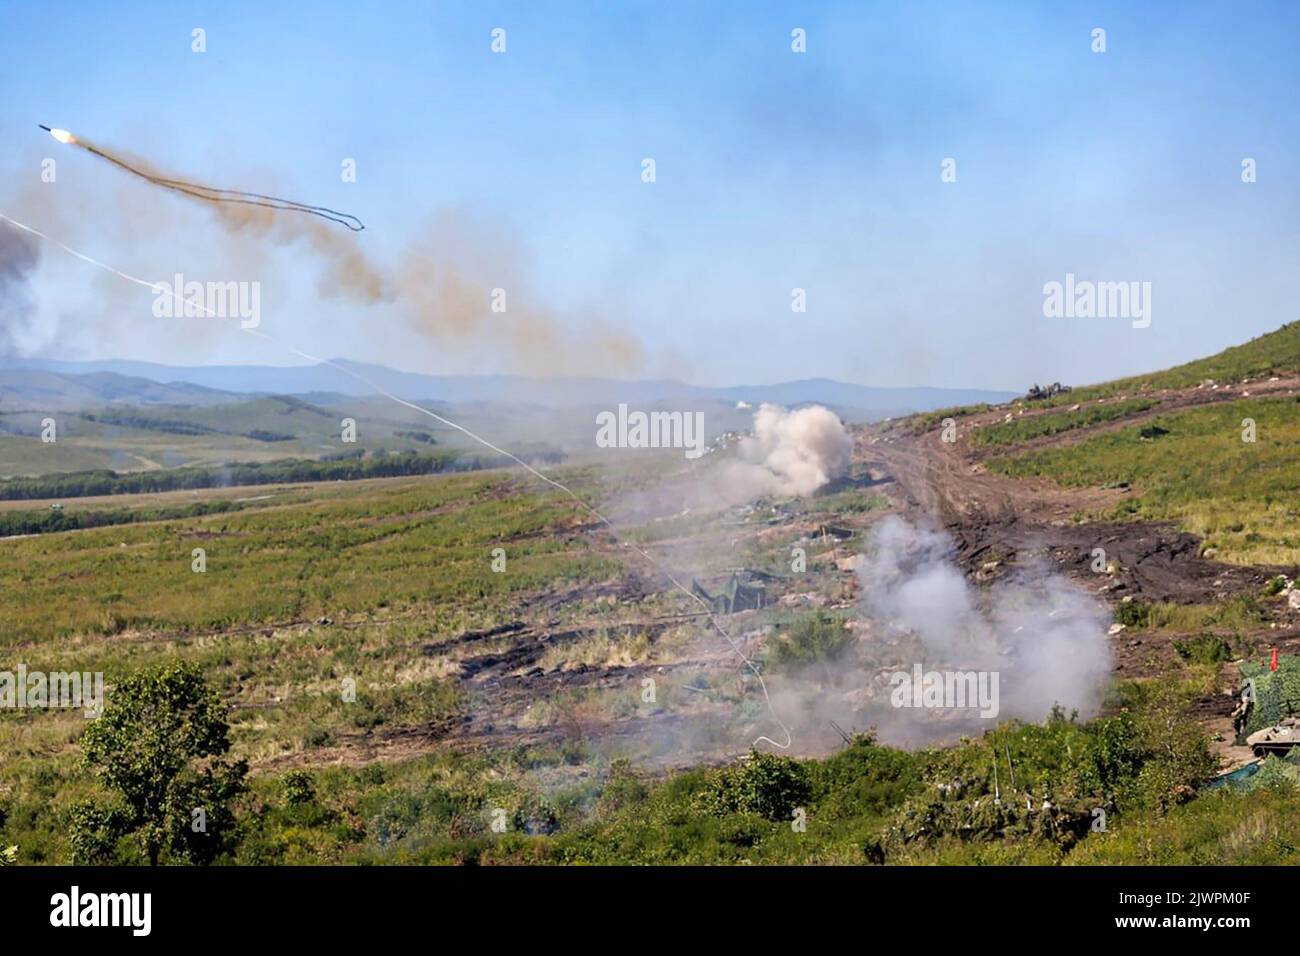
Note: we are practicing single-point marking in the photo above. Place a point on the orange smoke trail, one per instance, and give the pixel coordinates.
(212, 193)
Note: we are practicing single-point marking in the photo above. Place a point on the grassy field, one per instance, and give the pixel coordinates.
(924, 422)
(125, 438)
(1194, 467)
(1054, 423)
(866, 804)
(360, 546)
(1274, 353)
(319, 583)
(359, 580)
(377, 582)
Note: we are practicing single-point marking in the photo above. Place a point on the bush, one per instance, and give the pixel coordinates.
(623, 789)
(1177, 757)
(1132, 614)
(1275, 773)
(95, 830)
(298, 788)
(762, 784)
(811, 640)
(1204, 649)
(1275, 586)
(160, 745)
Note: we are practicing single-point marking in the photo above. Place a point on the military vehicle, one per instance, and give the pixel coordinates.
(1277, 739)
(1039, 393)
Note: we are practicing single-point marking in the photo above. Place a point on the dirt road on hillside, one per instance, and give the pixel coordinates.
(1005, 520)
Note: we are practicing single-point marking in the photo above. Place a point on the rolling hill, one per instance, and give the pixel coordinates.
(864, 401)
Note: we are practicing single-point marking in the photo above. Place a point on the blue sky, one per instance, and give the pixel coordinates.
(775, 170)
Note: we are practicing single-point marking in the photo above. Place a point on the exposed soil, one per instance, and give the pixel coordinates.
(997, 518)
(501, 685)
(997, 523)
(1154, 561)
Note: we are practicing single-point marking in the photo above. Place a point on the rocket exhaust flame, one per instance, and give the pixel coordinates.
(210, 193)
(62, 135)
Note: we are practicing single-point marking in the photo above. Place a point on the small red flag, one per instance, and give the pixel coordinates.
(1272, 665)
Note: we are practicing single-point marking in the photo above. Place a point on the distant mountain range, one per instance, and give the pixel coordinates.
(64, 384)
(42, 388)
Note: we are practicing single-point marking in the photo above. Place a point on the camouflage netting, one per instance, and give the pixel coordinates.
(1277, 693)
(1276, 772)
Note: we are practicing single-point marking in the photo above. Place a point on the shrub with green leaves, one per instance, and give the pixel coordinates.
(159, 747)
(762, 784)
(1132, 614)
(814, 639)
(298, 788)
(1204, 649)
(1275, 773)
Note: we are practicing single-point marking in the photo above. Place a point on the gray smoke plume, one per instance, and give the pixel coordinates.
(1044, 636)
(18, 258)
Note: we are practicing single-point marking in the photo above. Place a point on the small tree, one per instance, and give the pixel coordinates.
(160, 745)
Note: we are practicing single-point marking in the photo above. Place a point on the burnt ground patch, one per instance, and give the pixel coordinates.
(1153, 561)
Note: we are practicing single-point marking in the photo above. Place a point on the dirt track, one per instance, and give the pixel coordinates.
(1166, 401)
(994, 518)
(996, 523)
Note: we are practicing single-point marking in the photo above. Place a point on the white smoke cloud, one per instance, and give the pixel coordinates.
(1043, 635)
(791, 452)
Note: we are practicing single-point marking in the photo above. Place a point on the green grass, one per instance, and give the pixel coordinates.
(374, 545)
(926, 421)
(867, 803)
(1224, 828)
(567, 805)
(401, 565)
(854, 501)
(153, 438)
(812, 639)
(1273, 353)
(1029, 427)
(439, 810)
(373, 572)
(1238, 614)
(1242, 497)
